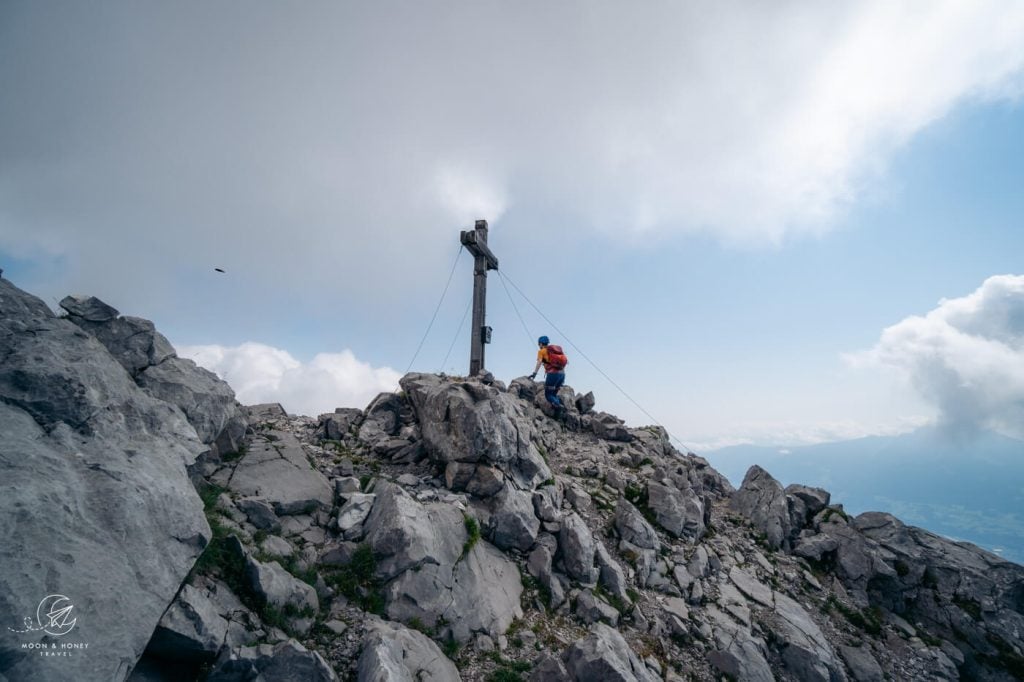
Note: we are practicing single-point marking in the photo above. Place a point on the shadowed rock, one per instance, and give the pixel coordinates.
(96, 497)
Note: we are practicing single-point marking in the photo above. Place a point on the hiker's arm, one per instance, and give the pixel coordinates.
(536, 368)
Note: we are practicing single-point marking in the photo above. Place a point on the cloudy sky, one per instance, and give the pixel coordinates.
(775, 223)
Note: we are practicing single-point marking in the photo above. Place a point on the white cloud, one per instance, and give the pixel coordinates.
(966, 356)
(335, 124)
(259, 374)
(797, 433)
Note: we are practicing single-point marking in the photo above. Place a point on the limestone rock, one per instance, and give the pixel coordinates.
(287, 661)
(604, 656)
(277, 587)
(88, 308)
(550, 669)
(382, 419)
(132, 341)
(576, 547)
(95, 482)
(353, 513)
(680, 512)
(591, 609)
(206, 400)
(190, 630)
(806, 651)
(420, 550)
(393, 653)
(585, 403)
(336, 425)
(208, 403)
(736, 652)
(278, 471)
(633, 527)
(762, 500)
(547, 503)
(751, 586)
(610, 427)
(264, 412)
(259, 513)
(612, 578)
(472, 422)
(513, 519)
(863, 666)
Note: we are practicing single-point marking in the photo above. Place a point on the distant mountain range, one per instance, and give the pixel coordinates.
(966, 488)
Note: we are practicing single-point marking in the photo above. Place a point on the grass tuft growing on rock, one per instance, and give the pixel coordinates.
(450, 648)
(868, 620)
(357, 580)
(473, 530)
(968, 606)
(234, 455)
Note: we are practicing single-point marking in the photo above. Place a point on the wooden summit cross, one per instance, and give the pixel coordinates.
(476, 241)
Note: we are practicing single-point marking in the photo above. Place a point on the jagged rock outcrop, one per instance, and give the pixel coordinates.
(286, 662)
(604, 655)
(97, 500)
(191, 629)
(470, 422)
(434, 574)
(393, 653)
(208, 403)
(762, 500)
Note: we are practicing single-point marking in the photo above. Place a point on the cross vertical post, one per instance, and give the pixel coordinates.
(475, 241)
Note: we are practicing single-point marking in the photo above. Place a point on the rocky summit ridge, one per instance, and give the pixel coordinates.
(452, 530)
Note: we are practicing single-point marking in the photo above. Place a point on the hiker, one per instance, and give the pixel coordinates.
(554, 361)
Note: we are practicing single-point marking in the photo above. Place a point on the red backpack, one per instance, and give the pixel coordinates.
(556, 358)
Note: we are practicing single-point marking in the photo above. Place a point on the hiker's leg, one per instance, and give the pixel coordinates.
(551, 388)
(552, 383)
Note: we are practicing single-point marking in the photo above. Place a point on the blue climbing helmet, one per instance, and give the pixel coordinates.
(543, 341)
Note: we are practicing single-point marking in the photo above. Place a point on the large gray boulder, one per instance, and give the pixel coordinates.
(576, 547)
(604, 656)
(338, 424)
(633, 528)
(287, 661)
(862, 665)
(515, 524)
(97, 502)
(472, 422)
(680, 512)
(382, 419)
(191, 629)
(763, 501)
(421, 552)
(736, 652)
(353, 513)
(276, 587)
(805, 650)
(133, 342)
(208, 403)
(393, 653)
(278, 471)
